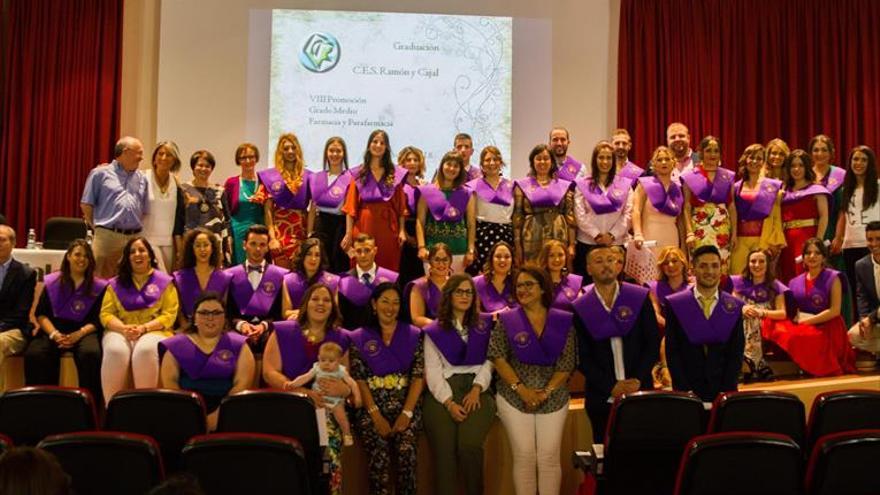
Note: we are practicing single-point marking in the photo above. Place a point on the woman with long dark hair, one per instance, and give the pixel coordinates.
(493, 218)
(201, 270)
(804, 211)
(860, 205)
(309, 268)
(327, 189)
(495, 285)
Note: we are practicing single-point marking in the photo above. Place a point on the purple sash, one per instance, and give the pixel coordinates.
(259, 302)
(502, 196)
(329, 195)
(794, 196)
(760, 207)
(281, 194)
(834, 178)
(372, 192)
(668, 202)
(630, 171)
(197, 365)
(609, 201)
(430, 294)
(385, 360)
(661, 289)
(354, 289)
(188, 288)
(543, 197)
(71, 305)
(473, 173)
(455, 349)
(292, 345)
(568, 170)
(819, 298)
(757, 293)
(491, 300)
(412, 197)
(717, 191)
(297, 285)
(133, 299)
(452, 210)
(604, 325)
(566, 291)
(699, 330)
(526, 345)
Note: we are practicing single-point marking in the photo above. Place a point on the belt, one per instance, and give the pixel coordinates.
(798, 224)
(121, 231)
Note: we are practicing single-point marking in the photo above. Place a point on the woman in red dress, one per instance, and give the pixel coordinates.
(804, 211)
(816, 340)
(375, 202)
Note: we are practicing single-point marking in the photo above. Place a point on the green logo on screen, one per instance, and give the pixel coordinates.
(320, 52)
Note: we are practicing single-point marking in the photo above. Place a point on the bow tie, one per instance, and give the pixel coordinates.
(255, 268)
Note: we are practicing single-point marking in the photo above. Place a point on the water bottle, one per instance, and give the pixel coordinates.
(32, 239)
(89, 237)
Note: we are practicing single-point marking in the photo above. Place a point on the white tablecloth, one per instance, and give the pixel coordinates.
(42, 260)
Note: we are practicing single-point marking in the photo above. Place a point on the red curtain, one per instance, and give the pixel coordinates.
(748, 71)
(60, 107)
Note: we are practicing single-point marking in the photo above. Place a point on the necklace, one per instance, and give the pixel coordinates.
(163, 191)
(243, 192)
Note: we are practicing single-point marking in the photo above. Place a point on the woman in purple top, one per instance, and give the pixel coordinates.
(566, 286)
(201, 271)
(411, 267)
(495, 285)
(424, 293)
(387, 361)
(309, 268)
(327, 189)
(672, 267)
(67, 314)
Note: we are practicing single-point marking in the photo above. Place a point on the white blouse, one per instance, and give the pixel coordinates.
(438, 369)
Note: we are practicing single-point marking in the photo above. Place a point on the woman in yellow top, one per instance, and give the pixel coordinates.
(138, 310)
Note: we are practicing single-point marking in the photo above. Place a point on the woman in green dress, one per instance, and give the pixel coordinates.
(245, 208)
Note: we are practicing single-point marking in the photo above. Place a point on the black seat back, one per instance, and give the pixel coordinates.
(60, 231)
(841, 463)
(759, 410)
(843, 410)
(29, 414)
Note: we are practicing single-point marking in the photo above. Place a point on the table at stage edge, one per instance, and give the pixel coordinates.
(42, 260)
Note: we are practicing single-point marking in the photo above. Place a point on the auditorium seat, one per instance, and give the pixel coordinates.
(276, 412)
(646, 434)
(247, 463)
(757, 463)
(843, 410)
(5, 443)
(60, 231)
(759, 410)
(27, 415)
(842, 463)
(107, 463)
(171, 417)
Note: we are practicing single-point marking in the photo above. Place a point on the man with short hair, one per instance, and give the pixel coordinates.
(704, 332)
(464, 145)
(618, 338)
(622, 143)
(114, 203)
(568, 167)
(865, 334)
(255, 290)
(356, 285)
(17, 284)
(678, 139)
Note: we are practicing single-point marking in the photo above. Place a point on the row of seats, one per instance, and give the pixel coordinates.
(757, 442)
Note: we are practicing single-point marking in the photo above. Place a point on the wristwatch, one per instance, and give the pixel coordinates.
(514, 386)
(406, 413)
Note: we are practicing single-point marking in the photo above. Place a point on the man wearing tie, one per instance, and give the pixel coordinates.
(357, 284)
(704, 332)
(255, 290)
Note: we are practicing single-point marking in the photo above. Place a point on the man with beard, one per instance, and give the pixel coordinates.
(678, 139)
(622, 143)
(569, 168)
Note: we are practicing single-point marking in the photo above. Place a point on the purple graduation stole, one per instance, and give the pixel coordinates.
(668, 202)
(68, 304)
(188, 288)
(412, 197)
(502, 196)
(329, 195)
(757, 293)
(661, 289)
(543, 197)
(292, 345)
(608, 201)
(354, 289)
(385, 360)
(699, 330)
(430, 294)
(819, 298)
(297, 284)
(373, 192)
(526, 345)
(834, 178)
(281, 194)
(256, 302)
(794, 196)
(455, 349)
(133, 299)
(473, 173)
(566, 291)
(601, 324)
(197, 365)
(442, 210)
(760, 207)
(630, 171)
(568, 169)
(717, 191)
(491, 300)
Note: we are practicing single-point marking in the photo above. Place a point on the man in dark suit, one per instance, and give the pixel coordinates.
(704, 332)
(356, 285)
(618, 340)
(17, 283)
(865, 334)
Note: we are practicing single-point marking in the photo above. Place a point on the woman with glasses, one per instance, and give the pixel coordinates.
(460, 410)
(207, 358)
(424, 293)
(245, 206)
(533, 349)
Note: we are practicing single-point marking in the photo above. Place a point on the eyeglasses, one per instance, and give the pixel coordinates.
(247, 158)
(441, 261)
(463, 292)
(527, 285)
(215, 313)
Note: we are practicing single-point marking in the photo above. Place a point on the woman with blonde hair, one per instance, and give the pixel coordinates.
(413, 160)
(165, 198)
(777, 152)
(327, 190)
(672, 269)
